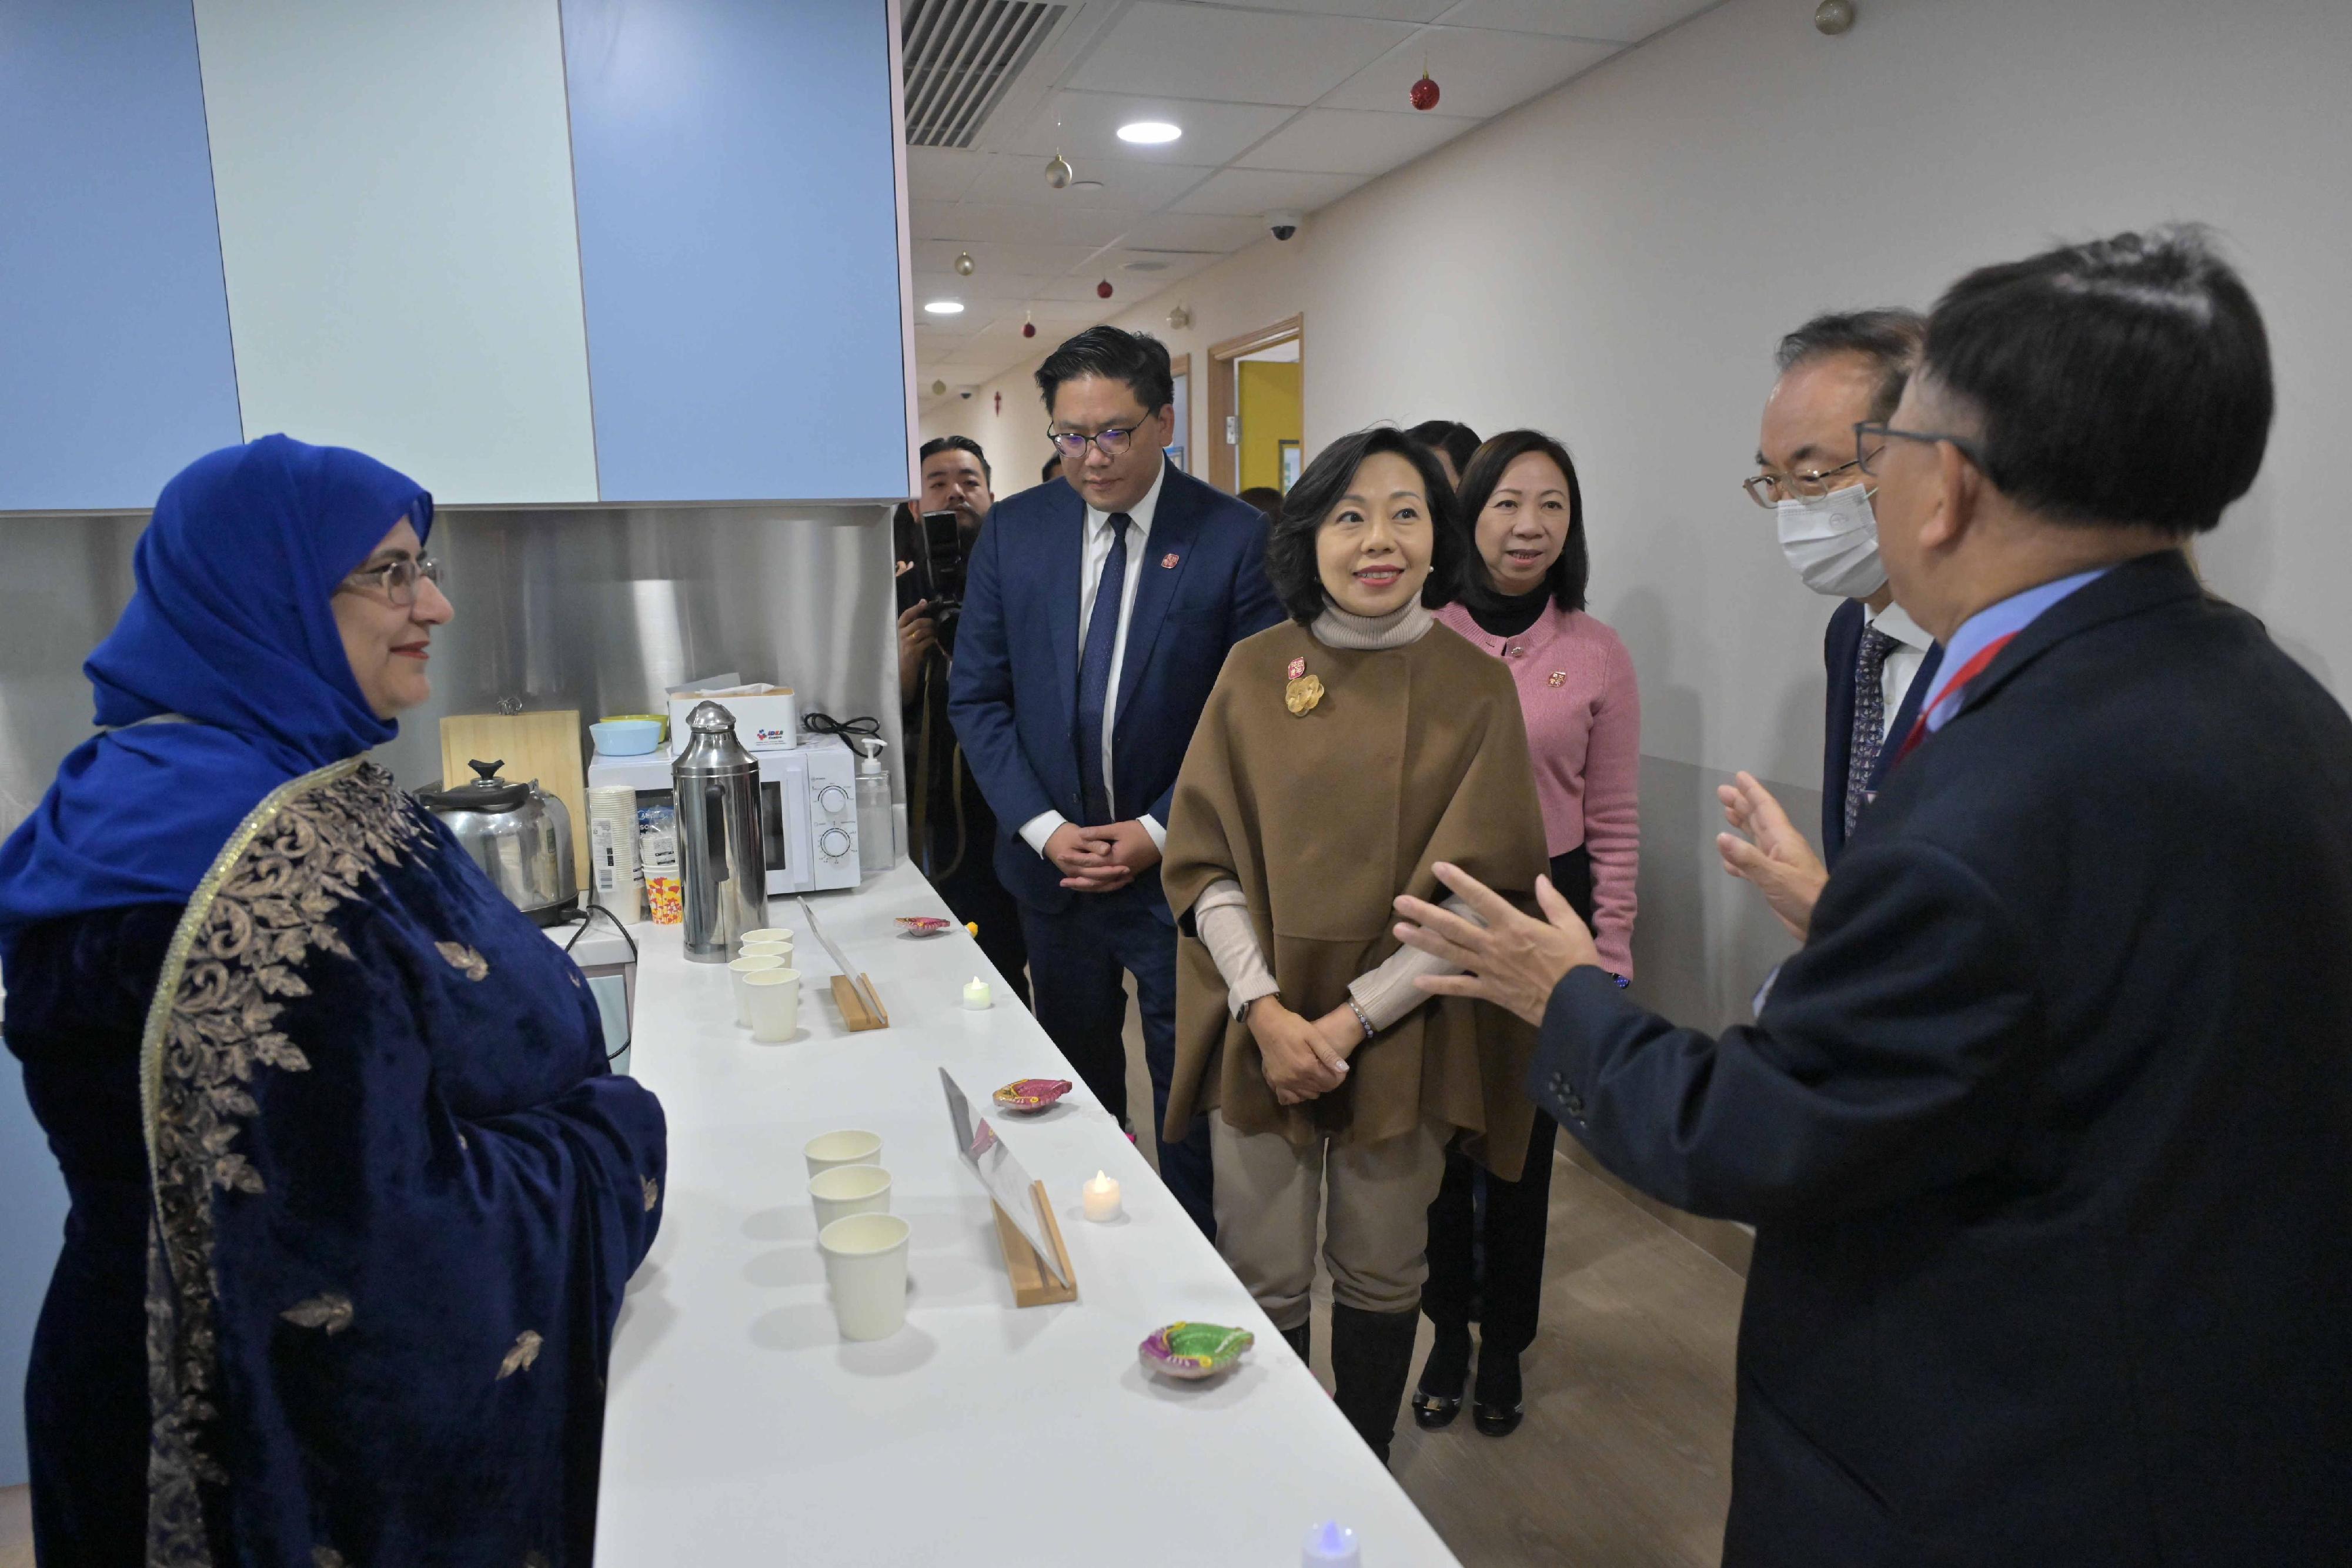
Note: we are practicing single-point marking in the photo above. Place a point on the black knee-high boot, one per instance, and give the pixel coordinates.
(1371, 1356)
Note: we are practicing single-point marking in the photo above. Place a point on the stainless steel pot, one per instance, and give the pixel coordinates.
(519, 834)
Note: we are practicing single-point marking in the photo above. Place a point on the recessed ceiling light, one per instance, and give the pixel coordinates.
(1149, 133)
(1086, 185)
(1145, 266)
(944, 307)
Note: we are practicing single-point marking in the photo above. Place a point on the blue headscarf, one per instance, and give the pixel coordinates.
(229, 627)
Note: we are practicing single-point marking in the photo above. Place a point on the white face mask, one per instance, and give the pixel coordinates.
(1832, 542)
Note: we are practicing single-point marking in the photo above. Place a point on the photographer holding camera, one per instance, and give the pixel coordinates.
(948, 823)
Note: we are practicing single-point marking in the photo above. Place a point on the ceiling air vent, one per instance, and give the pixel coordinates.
(960, 57)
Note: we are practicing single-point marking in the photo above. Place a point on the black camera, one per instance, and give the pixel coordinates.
(939, 568)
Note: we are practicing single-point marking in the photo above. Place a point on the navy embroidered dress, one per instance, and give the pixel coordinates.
(354, 1195)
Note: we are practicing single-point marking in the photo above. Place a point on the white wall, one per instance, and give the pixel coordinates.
(1615, 263)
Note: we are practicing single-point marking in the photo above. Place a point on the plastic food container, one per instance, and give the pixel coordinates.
(625, 736)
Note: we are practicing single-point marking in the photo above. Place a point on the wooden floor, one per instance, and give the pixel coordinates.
(16, 1527)
(1624, 1458)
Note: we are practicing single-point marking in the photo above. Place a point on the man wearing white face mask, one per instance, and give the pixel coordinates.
(1835, 370)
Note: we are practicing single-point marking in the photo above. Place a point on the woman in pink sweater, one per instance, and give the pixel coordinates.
(1524, 604)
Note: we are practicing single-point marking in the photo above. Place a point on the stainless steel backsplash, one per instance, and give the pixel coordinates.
(597, 609)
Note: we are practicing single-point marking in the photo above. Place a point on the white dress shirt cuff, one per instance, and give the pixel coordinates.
(1040, 827)
(1158, 834)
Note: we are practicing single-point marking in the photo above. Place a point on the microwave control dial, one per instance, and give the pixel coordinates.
(832, 843)
(833, 799)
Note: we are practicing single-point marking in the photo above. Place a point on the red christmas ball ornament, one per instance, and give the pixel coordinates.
(1000, 403)
(1028, 328)
(1425, 92)
(1103, 289)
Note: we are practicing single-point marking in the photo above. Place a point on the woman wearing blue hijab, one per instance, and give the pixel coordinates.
(354, 1195)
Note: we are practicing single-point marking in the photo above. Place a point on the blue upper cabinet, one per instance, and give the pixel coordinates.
(115, 367)
(733, 163)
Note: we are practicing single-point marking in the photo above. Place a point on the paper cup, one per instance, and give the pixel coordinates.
(846, 1191)
(782, 933)
(767, 949)
(772, 1002)
(736, 971)
(847, 1147)
(865, 1264)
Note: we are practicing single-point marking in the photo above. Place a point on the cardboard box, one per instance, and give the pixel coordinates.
(767, 719)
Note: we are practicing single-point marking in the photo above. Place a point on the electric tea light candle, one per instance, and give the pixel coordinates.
(1101, 1196)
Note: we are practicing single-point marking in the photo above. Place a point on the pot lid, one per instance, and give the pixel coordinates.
(485, 793)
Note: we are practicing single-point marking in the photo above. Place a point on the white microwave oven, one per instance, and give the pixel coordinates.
(808, 808)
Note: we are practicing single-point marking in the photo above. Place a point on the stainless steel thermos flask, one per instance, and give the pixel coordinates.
(722, 861)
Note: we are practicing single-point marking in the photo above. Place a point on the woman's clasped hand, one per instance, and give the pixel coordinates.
(1304, 1058)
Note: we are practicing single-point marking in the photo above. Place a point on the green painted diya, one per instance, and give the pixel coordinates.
(1194, 1349)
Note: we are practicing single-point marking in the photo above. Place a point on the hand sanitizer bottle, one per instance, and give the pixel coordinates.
(877, 832)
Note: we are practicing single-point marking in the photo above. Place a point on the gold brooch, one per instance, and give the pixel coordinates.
(1302, 693)
(1559, 678)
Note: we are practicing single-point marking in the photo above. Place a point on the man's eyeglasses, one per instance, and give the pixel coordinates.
(1072, 444)
(396, 578)
(1769, 490)
(1871, 436)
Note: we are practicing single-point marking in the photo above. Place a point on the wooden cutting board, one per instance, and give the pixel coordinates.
(532, 745)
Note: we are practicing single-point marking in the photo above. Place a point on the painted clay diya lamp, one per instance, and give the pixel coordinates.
(1194, 1350)
(1032, 1093)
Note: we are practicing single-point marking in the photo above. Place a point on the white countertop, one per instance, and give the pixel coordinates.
(741, 1427)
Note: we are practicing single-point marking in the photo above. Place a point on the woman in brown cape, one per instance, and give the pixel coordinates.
(1343, 754)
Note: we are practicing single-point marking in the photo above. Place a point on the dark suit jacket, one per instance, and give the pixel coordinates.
(1840, 642)
(1013, 691)
(2044, 1132)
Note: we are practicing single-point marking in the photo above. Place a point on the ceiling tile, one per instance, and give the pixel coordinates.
(1084, 126)
(1196, 230)
(941, 174)
(1478, 73)
(1126, 187)
(1041, 259)
(1618, 21)
(971, 223)
(1352, 141)
(1247, 57)
(1386, 10)
(1261, 191)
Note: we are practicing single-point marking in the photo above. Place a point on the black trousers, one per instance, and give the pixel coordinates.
(1486, 1235)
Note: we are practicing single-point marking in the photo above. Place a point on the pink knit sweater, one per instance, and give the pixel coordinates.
(1584, 728)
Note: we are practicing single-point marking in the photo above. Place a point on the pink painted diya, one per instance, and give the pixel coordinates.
(1032, 1093)
(1194, 1351)
(924, 925)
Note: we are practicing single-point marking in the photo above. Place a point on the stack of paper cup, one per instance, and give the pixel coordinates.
(736, 971)
(772, 1002)
(865, 1264)
(612, 851)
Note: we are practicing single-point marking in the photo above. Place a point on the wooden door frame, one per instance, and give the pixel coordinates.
(1181, 366)
(1221, 402)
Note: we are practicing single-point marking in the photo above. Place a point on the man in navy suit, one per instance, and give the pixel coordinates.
(2043, 1131)
(1096, 615)
(1834, 370)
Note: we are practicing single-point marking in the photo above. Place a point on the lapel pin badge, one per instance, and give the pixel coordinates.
(1559, 678)
(1168, 562)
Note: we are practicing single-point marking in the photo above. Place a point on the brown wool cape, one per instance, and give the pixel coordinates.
(1413, 754)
